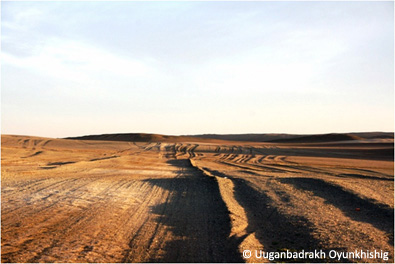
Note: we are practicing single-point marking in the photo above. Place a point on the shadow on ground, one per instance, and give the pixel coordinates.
(380, 216)
(276, 230)
(196, 216)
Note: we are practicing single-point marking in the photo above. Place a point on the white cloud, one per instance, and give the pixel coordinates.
(21, 19)
(74, 60)
(79, 66)
(29, 15)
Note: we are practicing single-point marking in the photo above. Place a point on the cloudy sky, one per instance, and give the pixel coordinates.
(77, 68)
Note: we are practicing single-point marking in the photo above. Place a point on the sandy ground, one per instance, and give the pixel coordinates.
(101, 201)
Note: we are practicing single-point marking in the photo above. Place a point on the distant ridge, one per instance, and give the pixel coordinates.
(319, 138)
(132, 137)
(275, 138)
(142, 137)
(247, 137)
(298, 138)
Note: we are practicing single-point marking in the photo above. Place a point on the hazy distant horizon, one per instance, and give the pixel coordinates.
(187, 68)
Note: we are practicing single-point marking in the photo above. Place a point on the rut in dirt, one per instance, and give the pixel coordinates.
(196, 216)
(275, 229)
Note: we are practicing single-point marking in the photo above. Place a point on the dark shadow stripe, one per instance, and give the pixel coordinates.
(380, 216)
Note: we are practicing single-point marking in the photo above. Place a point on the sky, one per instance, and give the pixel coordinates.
(177, 68)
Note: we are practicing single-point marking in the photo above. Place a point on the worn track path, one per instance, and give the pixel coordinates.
(101, 201)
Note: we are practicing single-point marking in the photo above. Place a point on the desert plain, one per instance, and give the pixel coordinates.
(152, 198)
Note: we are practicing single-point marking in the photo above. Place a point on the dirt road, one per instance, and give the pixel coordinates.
(102, 201)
